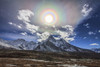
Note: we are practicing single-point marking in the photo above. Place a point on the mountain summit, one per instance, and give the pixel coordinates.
(58, 45)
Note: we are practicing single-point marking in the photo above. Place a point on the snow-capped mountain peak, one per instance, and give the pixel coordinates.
(97, 50)
(51, 45)
(58, 43)
(19, 44)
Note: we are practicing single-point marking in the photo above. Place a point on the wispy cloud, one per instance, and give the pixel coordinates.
(86, 10)
(66, 33)
(99, 31)
(18, 26)
(25, 15)
(23, 33)
(14, 36)
(91, 33)
(87, 25)
(43, 36)
(84, 37)
(94, 44)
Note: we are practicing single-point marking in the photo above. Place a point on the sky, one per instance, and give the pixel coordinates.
(76, 21)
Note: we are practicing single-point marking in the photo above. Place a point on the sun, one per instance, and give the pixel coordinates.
(48, 18)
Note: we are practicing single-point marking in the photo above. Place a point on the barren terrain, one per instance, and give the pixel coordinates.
(16, 58)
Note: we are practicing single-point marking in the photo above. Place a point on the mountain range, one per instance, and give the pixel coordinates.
(49, 45)
(97, 50)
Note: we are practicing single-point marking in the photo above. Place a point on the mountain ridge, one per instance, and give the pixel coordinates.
(49, 45)
(61, 44)
(97, 50)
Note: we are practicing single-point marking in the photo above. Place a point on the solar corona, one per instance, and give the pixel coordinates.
(49, 17)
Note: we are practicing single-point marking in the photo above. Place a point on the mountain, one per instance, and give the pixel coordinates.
(4, 45)
(97, 50)
(52, 44)
(19, 44)
(58, 45)
(49, 47)
(23, 45)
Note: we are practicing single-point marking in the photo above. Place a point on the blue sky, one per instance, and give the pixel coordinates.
(78, 23)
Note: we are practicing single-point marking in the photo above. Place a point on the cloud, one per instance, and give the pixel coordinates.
(43, 36)
(84, 37)
(99, 31)
(32, 28)
(24, 33)
(18, 26)
(96, 37)
(10, 23)
(86, 10)
(25, 15)
(14, 36)
(91, 33)
(94, 44)
(66, 33)
(86, 25)
(68, 28)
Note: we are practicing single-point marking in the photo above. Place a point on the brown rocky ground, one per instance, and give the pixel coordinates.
(9, 58)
